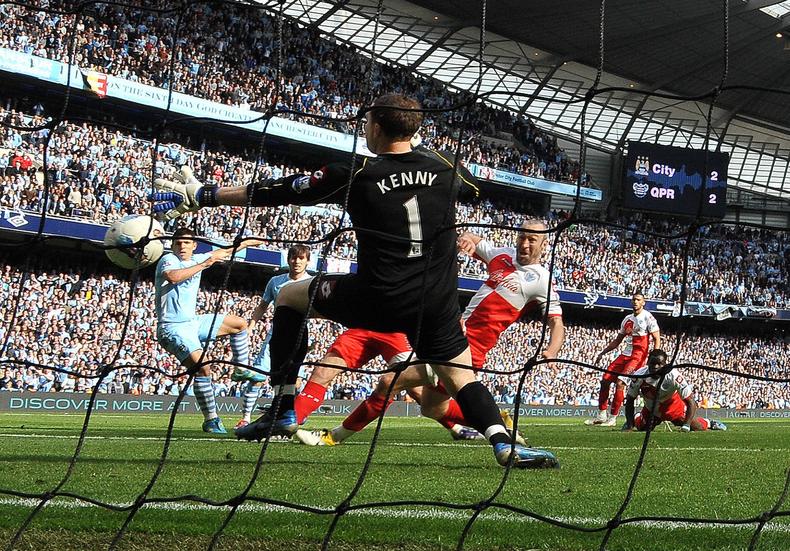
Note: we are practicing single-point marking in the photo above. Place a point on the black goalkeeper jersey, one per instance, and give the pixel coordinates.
(402, 207)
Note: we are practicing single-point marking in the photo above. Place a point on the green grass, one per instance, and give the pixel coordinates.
(735, 474)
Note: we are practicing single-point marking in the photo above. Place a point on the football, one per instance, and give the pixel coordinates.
(124, 235)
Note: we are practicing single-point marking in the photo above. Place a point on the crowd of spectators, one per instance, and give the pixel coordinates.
(235, 64)
(75, 320)
(100, 175)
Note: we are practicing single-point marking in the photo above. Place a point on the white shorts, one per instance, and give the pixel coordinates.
(183, 338)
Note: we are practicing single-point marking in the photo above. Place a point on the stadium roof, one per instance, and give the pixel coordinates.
(541, 55)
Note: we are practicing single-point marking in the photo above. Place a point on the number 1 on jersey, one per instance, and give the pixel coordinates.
(415, 229)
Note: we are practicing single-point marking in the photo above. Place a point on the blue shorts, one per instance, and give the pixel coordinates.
(183, 338)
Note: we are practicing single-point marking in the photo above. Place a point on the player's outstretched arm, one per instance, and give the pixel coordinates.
(691, 413)
(257, 314)
(556, 337)
(178, 196)
(613, 344)
(180, 274)
(656, 336)
(186, 194)
(250, 242)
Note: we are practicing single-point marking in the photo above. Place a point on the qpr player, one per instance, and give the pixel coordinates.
(402, 207)
(675, 402)
(352, 350)
(517, 286)
(637, 330)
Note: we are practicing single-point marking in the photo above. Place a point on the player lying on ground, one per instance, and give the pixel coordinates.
(298, 258)
(517, 286)
(401, 205)
(638, 328)
(181, 331)
(352, 350)
(675, 402)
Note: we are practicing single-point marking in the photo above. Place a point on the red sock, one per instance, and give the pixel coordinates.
(603, 396)
(617, 402)
(309, 400)
(366, 412)
(453, 416)
(704, 424)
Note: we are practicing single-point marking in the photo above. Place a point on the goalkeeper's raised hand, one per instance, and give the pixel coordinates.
(183, 194)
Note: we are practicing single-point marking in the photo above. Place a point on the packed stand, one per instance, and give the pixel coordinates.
(100, 175)
(74, 321)
(235, 65)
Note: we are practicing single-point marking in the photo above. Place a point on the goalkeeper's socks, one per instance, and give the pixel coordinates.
(240, 347)
(287, 398)
(366, 412)
(309, 400)
(481, 412)
(286, 343)
(204, 394)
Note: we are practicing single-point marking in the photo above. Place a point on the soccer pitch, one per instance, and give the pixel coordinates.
(723, 475)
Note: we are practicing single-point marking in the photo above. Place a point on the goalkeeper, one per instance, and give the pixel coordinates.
(401, 205)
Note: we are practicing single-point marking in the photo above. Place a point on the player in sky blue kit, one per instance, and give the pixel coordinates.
(181, 331)
(298, 258)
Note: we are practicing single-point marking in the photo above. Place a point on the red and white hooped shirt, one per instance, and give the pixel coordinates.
(637, 330)
(510, 291)
(674, 383)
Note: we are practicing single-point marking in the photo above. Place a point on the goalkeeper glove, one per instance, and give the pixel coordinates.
(184, 194)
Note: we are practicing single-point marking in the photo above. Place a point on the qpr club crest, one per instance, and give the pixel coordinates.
(640, 189)
(531, 276)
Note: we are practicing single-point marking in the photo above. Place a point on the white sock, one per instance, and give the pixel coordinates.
(204, 394)
(341, 433)
(249, 398)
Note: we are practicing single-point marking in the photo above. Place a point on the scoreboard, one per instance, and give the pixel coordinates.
(670, 179)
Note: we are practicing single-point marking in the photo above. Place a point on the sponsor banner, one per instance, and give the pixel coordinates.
(66, 402)
(535, 184)
(315, 135)
(104, 85)
(726, 311)
(30, 65)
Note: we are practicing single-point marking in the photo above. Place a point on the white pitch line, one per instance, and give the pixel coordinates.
(386, 512)
(390, 444)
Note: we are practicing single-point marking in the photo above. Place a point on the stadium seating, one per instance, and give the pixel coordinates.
(74, 321)
(135, 45)
(100, 175)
